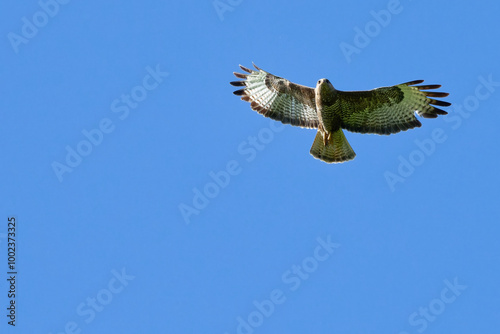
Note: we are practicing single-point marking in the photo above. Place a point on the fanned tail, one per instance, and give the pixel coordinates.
(337, 148)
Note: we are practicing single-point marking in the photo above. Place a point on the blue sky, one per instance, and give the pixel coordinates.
(150, 199)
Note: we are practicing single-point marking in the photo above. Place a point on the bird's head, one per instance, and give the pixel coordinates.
(324, 86)
(324, 82)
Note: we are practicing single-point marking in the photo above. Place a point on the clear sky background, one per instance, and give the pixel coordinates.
(150, 199)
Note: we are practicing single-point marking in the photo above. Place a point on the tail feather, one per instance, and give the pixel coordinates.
(336, 150)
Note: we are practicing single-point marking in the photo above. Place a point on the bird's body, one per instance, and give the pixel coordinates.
(383, 110)
(327, 106)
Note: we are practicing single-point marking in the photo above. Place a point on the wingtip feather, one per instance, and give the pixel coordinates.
(238, 83)
(428, 87)
(436, 94)
(245, 69)
(258, 68)
(240, 75)
(440, 103)
(239, 92)
(414, 82)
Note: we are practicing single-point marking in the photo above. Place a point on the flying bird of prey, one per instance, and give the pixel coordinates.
(381, 111)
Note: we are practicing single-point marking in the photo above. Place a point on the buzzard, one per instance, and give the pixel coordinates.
(381, 111)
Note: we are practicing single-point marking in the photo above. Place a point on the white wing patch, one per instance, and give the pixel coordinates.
(278, 98)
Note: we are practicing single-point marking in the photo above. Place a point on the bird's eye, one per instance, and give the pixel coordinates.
(327, 81)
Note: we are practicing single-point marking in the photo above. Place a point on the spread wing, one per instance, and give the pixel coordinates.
(389, 110)
(278, 98)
